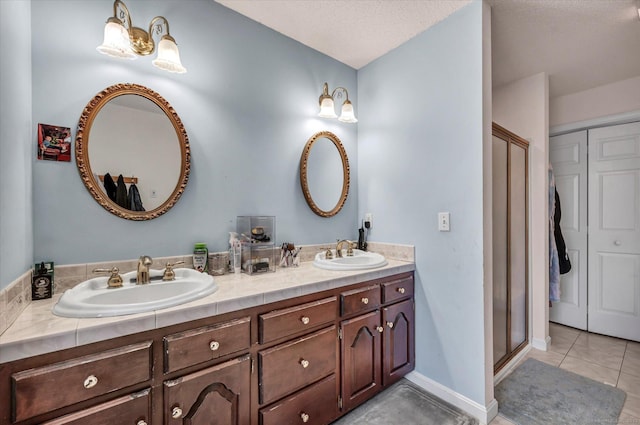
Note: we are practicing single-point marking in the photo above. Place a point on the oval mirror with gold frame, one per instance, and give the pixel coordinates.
(130, 130)
(324, 174)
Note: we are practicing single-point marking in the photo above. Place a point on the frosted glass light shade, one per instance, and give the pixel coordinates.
(347, 114)
(326, 108)
(168, 58)
(116, 41)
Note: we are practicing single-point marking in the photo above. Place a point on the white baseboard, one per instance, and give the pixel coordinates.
(483, 413)
(541, 344)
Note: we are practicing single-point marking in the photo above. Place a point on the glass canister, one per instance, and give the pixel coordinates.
(201, 257)
(218, 263)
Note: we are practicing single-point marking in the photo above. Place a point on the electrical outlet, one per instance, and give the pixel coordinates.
(368, 221)
(443, 222)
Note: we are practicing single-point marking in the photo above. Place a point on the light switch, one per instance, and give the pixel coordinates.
(443, 221)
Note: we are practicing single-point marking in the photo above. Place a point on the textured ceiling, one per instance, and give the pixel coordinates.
(354, 32)
(581, 44)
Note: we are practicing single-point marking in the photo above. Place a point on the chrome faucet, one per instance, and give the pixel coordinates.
(339, 248)
(142, 276)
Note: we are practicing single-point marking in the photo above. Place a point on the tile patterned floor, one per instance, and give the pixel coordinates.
(614, 361)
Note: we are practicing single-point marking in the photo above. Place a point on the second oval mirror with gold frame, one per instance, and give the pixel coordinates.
(130, 130)
(324, 174)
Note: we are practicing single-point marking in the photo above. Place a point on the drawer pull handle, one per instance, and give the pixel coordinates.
(305, 320)
(390, 324)
(380, 329)
(214, 345)
(141, 422)
(365, 300)
(401, 290)
(176, 413)
(304, 417)
(90, 382)
(304, 363)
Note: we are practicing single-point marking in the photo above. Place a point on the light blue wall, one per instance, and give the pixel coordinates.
(248, 102)
(16, 223)
(420, 139)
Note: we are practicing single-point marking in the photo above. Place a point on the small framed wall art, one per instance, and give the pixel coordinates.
(54, 143)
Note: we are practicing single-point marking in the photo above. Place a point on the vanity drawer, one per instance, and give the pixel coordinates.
(131, 409)
(315, 405)
(289, 367)
(397, 289)
(203, 344)
(290, 321)
(360, 300)
(72, 381)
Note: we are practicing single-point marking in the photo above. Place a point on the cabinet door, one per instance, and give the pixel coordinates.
(218, 395)
(399, 336)
(361, 363)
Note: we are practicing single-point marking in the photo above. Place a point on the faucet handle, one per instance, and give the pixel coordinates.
(115, 280)
(169, 274)
(328, 254)
(350, 246)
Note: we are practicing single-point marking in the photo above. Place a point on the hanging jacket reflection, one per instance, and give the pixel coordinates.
(109, 186)
(121, 193)
(135, 202)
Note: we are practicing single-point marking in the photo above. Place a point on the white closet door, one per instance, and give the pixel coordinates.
(568, 156)
(614, 231)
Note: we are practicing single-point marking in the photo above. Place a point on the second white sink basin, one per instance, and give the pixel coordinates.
(361, 260)
(92, 298)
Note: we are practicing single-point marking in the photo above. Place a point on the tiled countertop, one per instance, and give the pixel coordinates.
(37, 330)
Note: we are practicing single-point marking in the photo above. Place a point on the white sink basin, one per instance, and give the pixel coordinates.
(92, 298)
(361, 260)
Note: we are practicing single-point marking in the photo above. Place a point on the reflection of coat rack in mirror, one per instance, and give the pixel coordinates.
(127, 180)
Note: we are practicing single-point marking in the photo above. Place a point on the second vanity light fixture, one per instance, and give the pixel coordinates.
(327, 109)
(122, 40)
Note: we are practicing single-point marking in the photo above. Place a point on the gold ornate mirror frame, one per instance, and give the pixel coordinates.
(82, 150)
(304, 166)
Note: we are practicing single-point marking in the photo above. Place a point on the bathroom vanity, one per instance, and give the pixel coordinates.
(301, 346)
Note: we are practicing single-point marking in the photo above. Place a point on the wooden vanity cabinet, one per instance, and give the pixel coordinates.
(377, 347)
(306, 360)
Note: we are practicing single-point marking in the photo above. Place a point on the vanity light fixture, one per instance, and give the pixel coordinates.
(122, 40)
(327, 109)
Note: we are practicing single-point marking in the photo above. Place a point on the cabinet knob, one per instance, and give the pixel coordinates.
(304, 363)
(141, 422)
(305, 320)
(390, 324)
(304, 417)
(365, 300)
(214, 345)
(617, 243)
(401, 290)
(90, 382)
(380, 329)
(176, 412)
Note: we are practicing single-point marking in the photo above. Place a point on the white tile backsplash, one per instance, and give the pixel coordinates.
(14, 299)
